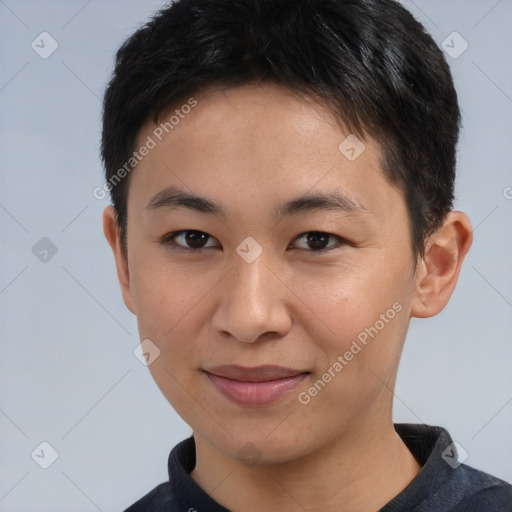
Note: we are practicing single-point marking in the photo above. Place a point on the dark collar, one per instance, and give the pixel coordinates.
(440, 485)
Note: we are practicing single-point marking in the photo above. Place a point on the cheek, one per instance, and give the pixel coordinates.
(169, 314)
(164, 301)
(346, 303)
(356, 369)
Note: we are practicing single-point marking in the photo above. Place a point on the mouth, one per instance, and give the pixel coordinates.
(256, 386)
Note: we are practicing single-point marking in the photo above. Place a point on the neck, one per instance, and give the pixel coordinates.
(361, 470)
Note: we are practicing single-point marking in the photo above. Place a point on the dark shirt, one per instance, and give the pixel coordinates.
(442, 485)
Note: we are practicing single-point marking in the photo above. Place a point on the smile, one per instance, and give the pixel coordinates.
(254, 387)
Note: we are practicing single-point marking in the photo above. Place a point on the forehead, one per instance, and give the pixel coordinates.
(259, 143)
(246, 116)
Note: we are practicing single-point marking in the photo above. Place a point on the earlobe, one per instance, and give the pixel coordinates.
(112, 234)
(439, 270)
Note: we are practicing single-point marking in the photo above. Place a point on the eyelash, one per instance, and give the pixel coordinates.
(168, 240)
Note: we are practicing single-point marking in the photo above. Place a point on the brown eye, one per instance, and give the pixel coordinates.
(317, 241)
(188, 240)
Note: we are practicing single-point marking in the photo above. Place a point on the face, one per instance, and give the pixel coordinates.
(280, 296)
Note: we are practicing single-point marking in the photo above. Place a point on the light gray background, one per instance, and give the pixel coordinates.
(68, 373)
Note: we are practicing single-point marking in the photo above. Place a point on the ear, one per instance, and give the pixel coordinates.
(113, 236)
(438, 271)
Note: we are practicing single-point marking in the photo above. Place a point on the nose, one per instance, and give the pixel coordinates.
(252, 302)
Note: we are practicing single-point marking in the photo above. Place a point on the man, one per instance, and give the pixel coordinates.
(282, 178)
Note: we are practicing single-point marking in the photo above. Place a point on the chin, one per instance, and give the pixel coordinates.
(266, 444)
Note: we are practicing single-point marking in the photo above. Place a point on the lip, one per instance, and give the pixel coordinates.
(256, 386)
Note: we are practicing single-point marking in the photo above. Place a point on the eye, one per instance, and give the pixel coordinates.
(317, 241)
(196, 240)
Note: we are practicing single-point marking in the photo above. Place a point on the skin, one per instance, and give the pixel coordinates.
(251, 148)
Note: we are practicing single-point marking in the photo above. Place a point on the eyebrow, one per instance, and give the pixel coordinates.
(173, 197)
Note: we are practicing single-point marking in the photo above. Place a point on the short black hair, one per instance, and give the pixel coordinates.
(369, 61)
